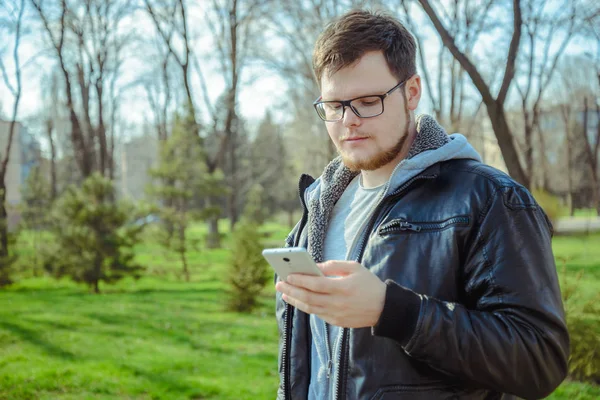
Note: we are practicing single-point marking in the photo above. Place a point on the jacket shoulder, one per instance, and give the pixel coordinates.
(490, 182)
(478, 171)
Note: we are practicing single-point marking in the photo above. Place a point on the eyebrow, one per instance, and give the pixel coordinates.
(371, 93)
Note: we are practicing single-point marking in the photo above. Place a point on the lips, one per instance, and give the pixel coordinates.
(354, 139)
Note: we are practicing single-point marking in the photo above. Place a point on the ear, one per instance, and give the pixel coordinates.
(413, 92)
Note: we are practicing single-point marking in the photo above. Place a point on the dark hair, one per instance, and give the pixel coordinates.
(346, 39)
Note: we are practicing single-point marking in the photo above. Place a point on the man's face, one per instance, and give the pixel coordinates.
(368, 143)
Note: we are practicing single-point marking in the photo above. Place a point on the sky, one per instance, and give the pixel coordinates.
(262, 92)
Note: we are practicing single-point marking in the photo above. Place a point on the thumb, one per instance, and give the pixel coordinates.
(339, 268)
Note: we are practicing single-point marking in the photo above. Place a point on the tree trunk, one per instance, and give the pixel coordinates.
(569, 177)
(233, 209)
(545, 167)
(3, 225)
(182, 252)
(213, 238)
(101, 132)
(50, 135)
(505, 141)
(591, 157)
(4, 250)
(495, 106)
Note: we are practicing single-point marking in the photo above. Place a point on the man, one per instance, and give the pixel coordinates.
(440, 279)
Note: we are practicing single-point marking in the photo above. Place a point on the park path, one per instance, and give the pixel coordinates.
(577, 225)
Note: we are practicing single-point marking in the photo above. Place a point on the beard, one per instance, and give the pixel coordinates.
(383, 157)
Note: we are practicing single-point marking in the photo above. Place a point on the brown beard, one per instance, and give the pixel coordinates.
(384, 157)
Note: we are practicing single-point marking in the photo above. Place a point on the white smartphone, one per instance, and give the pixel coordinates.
(291, 260)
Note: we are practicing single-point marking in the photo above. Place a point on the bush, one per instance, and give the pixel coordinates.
(551, 204)
(583, 322)
(248, 272)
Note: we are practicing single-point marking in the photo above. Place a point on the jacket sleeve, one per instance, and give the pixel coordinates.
(509, 335)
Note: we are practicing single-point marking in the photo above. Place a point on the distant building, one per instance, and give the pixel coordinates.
(138, 156)
(554, 128)
(24, 155)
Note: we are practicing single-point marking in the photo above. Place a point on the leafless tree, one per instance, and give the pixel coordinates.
(293, 28)
(591, 149)
(157, 84)
(14, 85)
(494, 104)
(577, 96)
(544, 29)
(170, 19)
(51, 116)
(234, 25)
(566, 112)
(88, 43)
(466, 20)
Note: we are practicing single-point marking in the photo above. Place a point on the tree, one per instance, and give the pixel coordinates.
(94, 236)
(36, 201)
(591, 150)
(15, 18)
(170, 19)
(547, 29)
(50, 116)
(448, 91)
(494, 104)
(234, 37)
(271, 168)
(255, 209)
(182, 181)
(578, 96)
(88, 41)
(248, 271)
(293, 29)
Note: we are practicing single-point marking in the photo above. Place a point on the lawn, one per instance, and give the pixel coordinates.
(161, 338)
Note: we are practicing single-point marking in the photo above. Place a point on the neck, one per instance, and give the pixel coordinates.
(375, 178)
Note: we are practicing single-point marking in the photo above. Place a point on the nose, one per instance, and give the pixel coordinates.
(350, 117)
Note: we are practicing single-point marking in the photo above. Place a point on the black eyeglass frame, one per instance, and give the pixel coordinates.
(346, 103)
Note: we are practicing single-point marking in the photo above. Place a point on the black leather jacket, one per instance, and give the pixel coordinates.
(473, 308)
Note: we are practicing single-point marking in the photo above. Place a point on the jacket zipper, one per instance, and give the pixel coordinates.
(329, 353)
(403, 225)
(287, 326)
(340, 385)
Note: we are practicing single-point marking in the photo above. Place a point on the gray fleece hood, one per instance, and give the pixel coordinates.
(431, 145)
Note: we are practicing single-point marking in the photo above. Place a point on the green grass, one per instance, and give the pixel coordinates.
(150, 339)
(585, 213)
(161, 338)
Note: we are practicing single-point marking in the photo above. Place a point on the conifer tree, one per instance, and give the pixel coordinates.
(93, 235)
(248, 270)
(182, 181)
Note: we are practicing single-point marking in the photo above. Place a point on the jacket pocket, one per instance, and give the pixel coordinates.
(401, 225)
(416, 392)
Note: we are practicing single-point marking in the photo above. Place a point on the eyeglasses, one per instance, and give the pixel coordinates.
(363, 106)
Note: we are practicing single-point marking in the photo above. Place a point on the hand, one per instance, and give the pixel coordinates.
(353, 298)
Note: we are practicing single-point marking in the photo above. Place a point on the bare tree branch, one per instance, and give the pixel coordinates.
(495, 106)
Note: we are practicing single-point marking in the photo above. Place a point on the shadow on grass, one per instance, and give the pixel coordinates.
(175, 333)
(31, 336)
(160, 379)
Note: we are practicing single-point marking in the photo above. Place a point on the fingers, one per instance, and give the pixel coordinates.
(339, 268)
(315, 284)
(297, 295)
